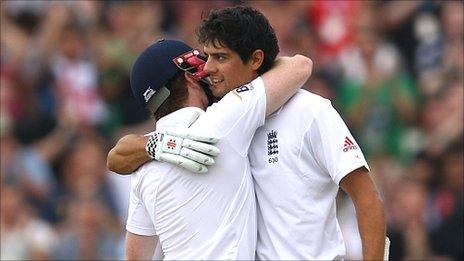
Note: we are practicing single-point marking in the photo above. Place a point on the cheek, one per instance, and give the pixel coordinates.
(229, 71)
(241, 78)
(235, 74)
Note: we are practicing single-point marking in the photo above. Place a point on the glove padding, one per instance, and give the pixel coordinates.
(183, 147)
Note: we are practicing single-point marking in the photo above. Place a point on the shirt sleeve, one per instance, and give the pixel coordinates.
(138, 218)
(332, 144)
(237, 116)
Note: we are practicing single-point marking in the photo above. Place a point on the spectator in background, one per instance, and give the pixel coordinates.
(76, 78)
(447, 201)
(128, 29)
(333, 23)
(409, 232)
(427, 224)
(87, 234)
(377, 96)
(440, 51)
(24, 236)
(452, 17)
(89, 227)
(30, 165)
(84, 173)
(441, 119)
(424, 49)
(289, 28)
(188, 14)
(322, 84)
(400, 21)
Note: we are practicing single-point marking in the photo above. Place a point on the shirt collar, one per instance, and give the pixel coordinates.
(184, 117)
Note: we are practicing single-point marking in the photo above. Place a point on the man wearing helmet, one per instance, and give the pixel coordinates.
(306, 160)
(210, 216)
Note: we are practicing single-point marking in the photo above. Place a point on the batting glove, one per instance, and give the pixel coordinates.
(183, 147)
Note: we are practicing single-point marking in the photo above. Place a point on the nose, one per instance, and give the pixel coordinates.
(209, 66)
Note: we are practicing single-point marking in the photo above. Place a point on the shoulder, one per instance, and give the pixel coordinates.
(256, 83)
(249, 90)
(241, 99)
(302, 110)
(152, 170)
(149, 177)
(315, 99)
(308, 103)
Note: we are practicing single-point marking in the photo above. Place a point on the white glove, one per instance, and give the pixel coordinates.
(183, 147)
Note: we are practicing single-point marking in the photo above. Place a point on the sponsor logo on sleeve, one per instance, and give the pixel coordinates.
(237, 91)
(349, 145)
(244, 88)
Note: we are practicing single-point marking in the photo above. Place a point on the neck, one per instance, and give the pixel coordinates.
(253, 75)
(196, 97)
(195, 101)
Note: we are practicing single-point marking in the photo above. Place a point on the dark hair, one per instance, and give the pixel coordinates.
(243, 29)
(176, 100)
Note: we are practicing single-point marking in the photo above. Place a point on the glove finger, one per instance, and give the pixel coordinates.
(202, 137)
(201, 147)
(197, 156)
(183, 163)
(192, 134)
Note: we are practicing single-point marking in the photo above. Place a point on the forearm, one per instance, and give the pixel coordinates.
(128, 154)
(370, 212)
(140, 247)
(371, 224)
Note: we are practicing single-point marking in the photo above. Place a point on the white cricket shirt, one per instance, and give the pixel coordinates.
(298, 159)
(208, 216)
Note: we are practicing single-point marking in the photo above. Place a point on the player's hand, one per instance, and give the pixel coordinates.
(183, 147)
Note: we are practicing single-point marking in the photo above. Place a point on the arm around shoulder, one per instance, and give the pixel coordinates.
(284, 79)
(128, 154)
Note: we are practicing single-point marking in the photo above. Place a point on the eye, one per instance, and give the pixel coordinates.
(221, 58)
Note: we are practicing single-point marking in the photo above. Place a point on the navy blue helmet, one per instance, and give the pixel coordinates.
(153, 69)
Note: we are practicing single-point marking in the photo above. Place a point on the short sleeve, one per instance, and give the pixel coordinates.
(332, 144)
(138, 218)
(239, 114)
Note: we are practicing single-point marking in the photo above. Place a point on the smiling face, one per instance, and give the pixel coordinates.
(227, 71)
(241, 45)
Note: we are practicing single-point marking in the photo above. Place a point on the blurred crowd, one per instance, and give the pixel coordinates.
(393, 69)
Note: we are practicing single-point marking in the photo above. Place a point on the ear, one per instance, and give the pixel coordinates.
(190, 79)
(257, 58)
